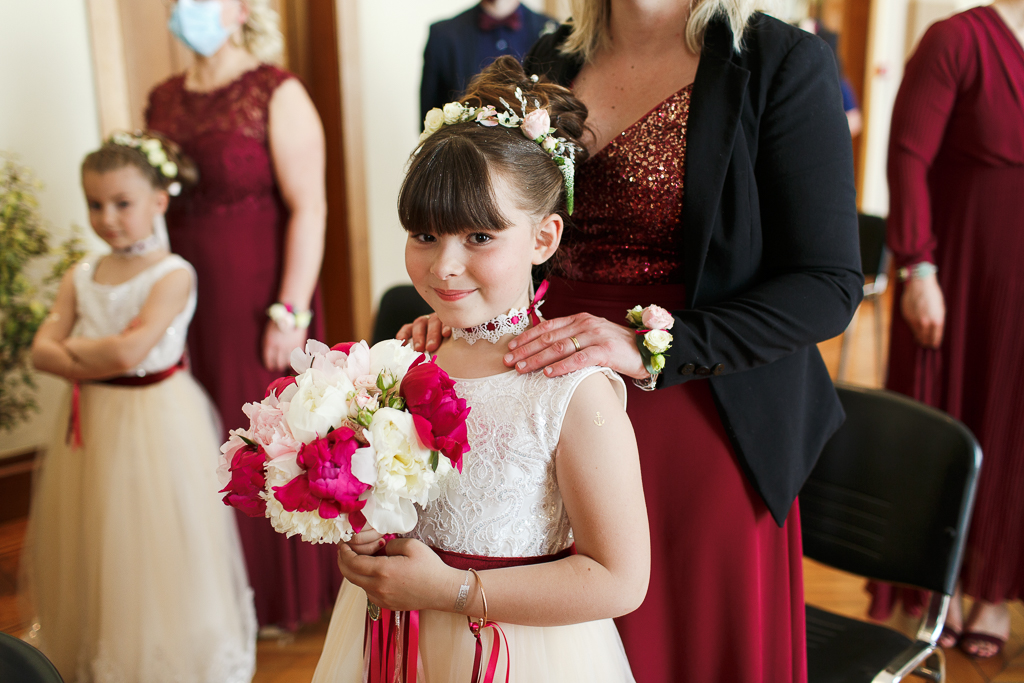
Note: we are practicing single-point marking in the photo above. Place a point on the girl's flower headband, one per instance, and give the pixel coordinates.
(535, 125)
(155, 154)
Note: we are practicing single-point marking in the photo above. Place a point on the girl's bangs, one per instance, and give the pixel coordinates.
(448, 190)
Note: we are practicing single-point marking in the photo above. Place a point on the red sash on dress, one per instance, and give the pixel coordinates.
(391, 641)
(74, 435)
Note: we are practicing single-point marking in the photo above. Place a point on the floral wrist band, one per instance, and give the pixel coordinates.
(652, 340)
(155, 154)
(287, 318)
(918, 271)
(535, 125)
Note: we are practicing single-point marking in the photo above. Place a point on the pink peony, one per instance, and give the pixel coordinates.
(326, 485)
(438, 412)
(343, 347)
(536, 124)
(657, 318)
(279, 385)
(248, 479)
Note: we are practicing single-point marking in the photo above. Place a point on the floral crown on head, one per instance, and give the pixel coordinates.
(153, 150)
(535, 125)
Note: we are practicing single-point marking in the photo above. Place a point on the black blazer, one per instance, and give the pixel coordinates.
(771, 257)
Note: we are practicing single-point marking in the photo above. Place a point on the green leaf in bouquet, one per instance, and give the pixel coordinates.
(248, 442)
(435, 460)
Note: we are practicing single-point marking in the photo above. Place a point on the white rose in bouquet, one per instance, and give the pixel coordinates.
(318, 405)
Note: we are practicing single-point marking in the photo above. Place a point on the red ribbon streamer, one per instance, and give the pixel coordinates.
(74, 434)
(391, 642)
(537, 301)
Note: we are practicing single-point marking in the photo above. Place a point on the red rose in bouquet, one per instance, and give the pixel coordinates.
(247, 481)
(437, 411)
(327, 485)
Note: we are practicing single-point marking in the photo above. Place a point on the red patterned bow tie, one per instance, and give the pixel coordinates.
(513, 22)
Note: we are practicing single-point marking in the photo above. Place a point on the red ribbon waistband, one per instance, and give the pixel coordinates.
(74, 435)
(391, 642)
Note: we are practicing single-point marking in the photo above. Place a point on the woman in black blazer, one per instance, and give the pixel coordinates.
(731, 203)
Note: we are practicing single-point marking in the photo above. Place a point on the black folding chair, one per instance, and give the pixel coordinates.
(875, 258)
(890, 499)
(399, 305)
(21, 662)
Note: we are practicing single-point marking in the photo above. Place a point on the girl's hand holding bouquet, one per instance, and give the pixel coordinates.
(356, 439)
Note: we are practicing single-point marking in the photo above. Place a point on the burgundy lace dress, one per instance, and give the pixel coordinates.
(231, 228)
(725, 602)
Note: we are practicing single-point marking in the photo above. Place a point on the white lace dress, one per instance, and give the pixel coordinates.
(133, 570)
(506, 503)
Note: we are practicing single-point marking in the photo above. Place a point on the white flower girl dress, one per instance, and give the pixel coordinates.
(505, 504)
(133, 569)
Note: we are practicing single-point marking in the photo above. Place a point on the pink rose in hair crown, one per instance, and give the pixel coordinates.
(536, 124)
(246, 465)
(438, 413)
(657, 318)
(326, 485)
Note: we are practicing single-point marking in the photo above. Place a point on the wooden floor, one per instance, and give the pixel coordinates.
(292, 659)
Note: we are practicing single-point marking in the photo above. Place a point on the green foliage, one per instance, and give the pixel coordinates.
(23, 303)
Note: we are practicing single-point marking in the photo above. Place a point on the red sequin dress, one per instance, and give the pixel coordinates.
(725, 602)
(231, 228)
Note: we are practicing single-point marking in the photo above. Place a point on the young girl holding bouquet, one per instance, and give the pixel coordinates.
(133, 566)
(543, 538)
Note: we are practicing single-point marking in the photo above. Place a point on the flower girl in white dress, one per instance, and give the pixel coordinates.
(552, 462)
(133, 567)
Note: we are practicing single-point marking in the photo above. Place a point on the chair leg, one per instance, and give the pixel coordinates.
(933, 668)
(879, 340)
(844, 350)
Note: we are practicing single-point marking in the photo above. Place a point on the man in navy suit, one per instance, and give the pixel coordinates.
(460, 47)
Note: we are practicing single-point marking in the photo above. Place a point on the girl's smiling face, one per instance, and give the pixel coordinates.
(122, 205)
(474, 276)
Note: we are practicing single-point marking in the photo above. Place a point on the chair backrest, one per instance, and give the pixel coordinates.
(872, 243)
(891, 495)
(399, 305)
(21, 662)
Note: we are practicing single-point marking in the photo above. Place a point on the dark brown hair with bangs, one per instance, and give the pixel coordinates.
(447, 189)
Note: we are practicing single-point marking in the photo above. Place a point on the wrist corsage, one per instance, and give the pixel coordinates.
(287, 318)
(652, 339)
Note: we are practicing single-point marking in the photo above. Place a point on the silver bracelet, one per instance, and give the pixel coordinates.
(460, 602)
(918, 271)
(649, 383)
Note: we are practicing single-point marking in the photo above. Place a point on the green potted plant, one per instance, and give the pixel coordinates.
(24, 300)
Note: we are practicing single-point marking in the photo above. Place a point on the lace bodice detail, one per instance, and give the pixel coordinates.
(225, 131)
(506, 503)
(104, 310)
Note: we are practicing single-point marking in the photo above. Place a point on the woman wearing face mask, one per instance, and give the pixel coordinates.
(253, 228)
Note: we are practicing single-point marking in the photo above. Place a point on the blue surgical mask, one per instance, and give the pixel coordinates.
(197, 25)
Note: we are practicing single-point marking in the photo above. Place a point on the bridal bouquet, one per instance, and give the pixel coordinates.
(360, 436)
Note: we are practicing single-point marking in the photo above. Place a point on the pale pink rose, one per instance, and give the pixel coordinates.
(657, 318)
(364, 400)
(488, 116)
(263, 421)
(536, 124)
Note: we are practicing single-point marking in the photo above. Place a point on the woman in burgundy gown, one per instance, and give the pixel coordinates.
(956, 184)
(720, 186)
(253, 229)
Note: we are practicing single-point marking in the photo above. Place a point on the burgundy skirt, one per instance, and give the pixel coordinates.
(725, 601)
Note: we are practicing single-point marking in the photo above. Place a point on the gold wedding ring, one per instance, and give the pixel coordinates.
(576, 343)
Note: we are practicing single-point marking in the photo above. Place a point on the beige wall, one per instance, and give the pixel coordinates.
(48, 119)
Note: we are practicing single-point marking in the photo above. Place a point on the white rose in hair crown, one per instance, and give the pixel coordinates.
(359, 436)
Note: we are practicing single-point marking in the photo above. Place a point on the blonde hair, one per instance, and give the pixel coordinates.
(261, 32)
(590, 19)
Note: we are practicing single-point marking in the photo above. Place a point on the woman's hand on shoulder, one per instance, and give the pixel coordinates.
(924, 309)
(411, 576)
(425, 332)
(601, 342)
